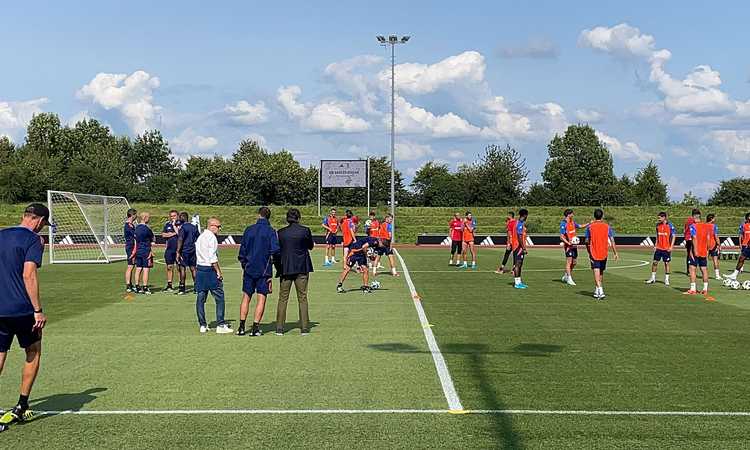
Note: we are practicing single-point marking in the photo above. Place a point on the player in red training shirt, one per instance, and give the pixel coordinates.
(456, 230)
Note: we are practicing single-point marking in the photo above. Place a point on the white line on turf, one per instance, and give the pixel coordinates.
(396, 411)
(454, 403)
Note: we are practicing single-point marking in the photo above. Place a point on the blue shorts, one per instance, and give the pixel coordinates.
(170, 256)
(746, 252)
(188, 259)
(385, 249)
(662, 255)
(252, 285)
(571, 252)
(144, 262)
(518, 255)
(714, 252)
(22, 327)
(129, 255)
(332, 239)
(357, 260)
(698, 261)
(599, 264)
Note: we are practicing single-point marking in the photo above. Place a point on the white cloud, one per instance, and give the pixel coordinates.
(189, 141)
(245, 113)
(15, 116)
(681, 152)
(678, 188)
(411, 151)
(734, 144)
(695, 100)
(416, 120)
(131, 95)
(502, 123)
(331, 116)
(260, 139)
(415, 78)
(589, 115)
(349, 77)
(626, 151)
(456, 154)
(537, 48)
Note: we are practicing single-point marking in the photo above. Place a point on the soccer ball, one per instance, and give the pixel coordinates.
(368, 223)
(728, 282)
(746, 285)
(575, 240)
(736, 284)
(375, 284)
(371, 253)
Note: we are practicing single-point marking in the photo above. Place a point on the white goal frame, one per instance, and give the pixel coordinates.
(86, 228)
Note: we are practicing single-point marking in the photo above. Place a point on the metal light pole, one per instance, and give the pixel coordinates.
(393, 40)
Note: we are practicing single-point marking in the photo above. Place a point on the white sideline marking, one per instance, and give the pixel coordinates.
(454, 403)
(397, 411)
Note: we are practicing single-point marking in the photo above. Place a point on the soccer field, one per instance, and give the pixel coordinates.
(544, 368)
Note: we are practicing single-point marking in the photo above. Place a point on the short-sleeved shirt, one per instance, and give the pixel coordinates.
(745, 234)
(374, 228)
(664, 233)
(699, 233)
(713, 238)
(367, 240)
(143, 238)
(688, 222)
(518, 238)
(170, 227)
(509, 224)
(470, 227)
(568, 228)
(332, 223)
(347, 230)
(129, 234)
(189, 234)
(385, 231)
(18, 245)
(206, 249)
(457, 229)
(598, 235)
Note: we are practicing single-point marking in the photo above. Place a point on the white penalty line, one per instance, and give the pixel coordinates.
(454, 403)
(393, 411)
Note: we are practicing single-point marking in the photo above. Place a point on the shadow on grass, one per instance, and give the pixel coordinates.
(475, 356)
(73, 401)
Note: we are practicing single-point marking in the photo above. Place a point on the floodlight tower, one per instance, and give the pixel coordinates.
(393, 40)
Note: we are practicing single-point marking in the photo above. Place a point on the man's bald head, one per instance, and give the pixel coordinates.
(214, 225)
(145, 217)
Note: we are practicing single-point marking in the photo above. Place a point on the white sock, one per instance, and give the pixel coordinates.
(566, 276)
(518, 280)
(393, 270)
(653, 276)
(705, 286)
(666, 278)
(692, 286)
(717, 272)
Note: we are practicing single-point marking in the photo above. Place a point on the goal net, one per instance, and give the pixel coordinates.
(86, 228)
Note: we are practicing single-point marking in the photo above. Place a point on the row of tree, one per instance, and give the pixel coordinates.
(87, 157)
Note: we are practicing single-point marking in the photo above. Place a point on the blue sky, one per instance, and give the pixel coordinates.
(658, 81)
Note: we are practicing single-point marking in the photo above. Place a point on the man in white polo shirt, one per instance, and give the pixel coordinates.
(208, 277)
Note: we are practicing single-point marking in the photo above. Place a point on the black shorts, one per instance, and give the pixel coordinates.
(599, 264)
(357, 260)
(714, 252)
(332, 239)
(456, 246)
(662, 255)
(170, 256)
(144, 262)
(384, 249)
(188, 259)
(746, 252)
(571, 252)
(698, 261)
(518, 255)
(22, 327)
(129, 255)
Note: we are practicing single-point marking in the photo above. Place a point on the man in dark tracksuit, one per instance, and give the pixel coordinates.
(259, 244)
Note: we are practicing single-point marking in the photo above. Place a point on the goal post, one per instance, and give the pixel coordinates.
(86, 228)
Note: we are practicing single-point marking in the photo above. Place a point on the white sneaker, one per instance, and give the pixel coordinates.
(203, 329)
(731, 276)
(224, 329)
(718, 277)
(570, 282)
(651, 281)
(564, 278)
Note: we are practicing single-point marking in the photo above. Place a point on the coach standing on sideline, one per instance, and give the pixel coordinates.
(209, 278)
(294, 265)
(21, 312)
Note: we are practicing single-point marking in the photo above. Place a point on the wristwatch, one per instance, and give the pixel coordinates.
(38, 311)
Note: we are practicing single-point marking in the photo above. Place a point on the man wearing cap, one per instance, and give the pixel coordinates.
(21, 314)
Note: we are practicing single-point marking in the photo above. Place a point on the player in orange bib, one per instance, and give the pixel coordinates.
(665, 238)
(714, 245)
(568, 230)
(385, 234)
(744, 245)
(470, 227)
(331, 226)
(348, 231)
(700, 234)
(599, 237)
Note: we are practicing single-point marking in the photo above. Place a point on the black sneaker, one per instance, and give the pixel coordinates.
(169, 288)
(137, 290)
(240, 331)
(255, 331)
(146, 291)
(304, 332)
(279, 332)
(366, 289)
(129, 288)
(340, 289)
(182, 291)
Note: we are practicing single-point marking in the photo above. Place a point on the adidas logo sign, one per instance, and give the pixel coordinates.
(647, 242)
(728, 242)
(446, 242)
(67, 240)
(487, 242)
(109, 240)
(529, 242)
(228, 241)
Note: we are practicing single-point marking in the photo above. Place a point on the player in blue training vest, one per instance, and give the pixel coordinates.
(144, 257)
(128, 233)
(21, 314)
(186, 258)
(259, 244)
(169, 232)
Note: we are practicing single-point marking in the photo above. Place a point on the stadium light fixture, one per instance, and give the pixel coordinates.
(393, 40)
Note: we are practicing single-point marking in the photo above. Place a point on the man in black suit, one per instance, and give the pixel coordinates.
(293, 265)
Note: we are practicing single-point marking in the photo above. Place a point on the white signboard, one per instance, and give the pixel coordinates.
(343, 173)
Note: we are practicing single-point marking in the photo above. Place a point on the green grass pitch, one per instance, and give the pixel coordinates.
(550, 348)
